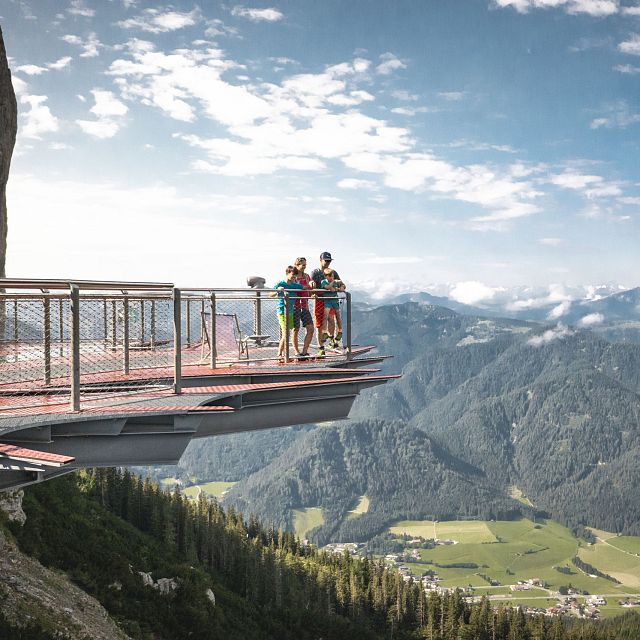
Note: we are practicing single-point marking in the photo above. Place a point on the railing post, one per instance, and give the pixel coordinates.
(212, 332)
(75, 347)
(188, 322)
(61, 325)
(286, 326)
(152, 343)
(114, 321)
(47, 337)
(15, 321)
(125, 333)
(142, 323)
(348, 327)
(177, 342)
(105, 323)
(257, 315)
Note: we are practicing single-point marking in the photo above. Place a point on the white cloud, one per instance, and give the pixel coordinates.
(556, 294)
(389, 64)
(354, 183)
(631, 11)
(161, 21)
(257, 15)
(627, 68)
(90, 46)
(409, 111)
(78, 8)
(557, 333)
(631, 46)
(617, 115)
(39, 119)
(101, 129)
(452, 96)
(108, 111)
(61, 63)
(551, 242)
(472, 292)
(31, 69)
(107, 104)
(560, 310)
(19, 85)
(597, 8)
(405, 96)
(591, 320)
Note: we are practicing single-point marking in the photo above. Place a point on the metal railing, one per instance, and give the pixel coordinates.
(75, 341)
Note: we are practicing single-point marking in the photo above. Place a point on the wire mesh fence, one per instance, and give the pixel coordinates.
(81, 342)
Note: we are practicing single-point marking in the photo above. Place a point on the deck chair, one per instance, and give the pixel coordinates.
(229, 338)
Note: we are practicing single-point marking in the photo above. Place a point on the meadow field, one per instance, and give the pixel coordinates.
(510, 551)
(306, 519)
(210, 489)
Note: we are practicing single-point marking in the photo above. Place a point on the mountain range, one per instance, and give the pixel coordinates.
(486, 409)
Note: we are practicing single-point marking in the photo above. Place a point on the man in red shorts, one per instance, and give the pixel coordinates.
(317, 275)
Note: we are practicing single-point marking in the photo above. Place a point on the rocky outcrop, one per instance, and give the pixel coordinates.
(11, 504)
(30, 593)
(163, 585)
(8, 130)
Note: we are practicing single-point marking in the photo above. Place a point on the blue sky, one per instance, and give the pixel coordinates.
(486, 142)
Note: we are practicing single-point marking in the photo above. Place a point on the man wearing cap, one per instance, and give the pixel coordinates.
(317, 276)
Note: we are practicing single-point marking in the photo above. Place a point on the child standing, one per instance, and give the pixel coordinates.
(331, 309)
(284, 319)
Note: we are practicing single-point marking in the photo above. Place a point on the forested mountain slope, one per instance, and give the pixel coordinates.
(554, 411)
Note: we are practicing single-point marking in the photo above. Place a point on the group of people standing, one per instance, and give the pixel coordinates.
(323, 284)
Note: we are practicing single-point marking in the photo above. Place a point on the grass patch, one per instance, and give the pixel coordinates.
(630, 544)
(616, 562)
(467, 531)
(210, 489)
(361, 507)
(306, 519)
(516, 494)
(520, 550)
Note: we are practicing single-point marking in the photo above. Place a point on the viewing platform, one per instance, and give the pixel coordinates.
(117, 374)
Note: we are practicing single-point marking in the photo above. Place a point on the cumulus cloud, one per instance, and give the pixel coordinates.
(389, 64)
(591, 320)
(452, 96)
(31, 69)
(90, 45)
(108, 111)
(78, 8)
(39, 119)
(597, 8)
(257, 15)
(472, 292)
(557, 333)
(631, 46)
(626, 68)
(354, 183)
(551, 242)
(305, 121)
(61, 63)
(556, 293)
(161, 20)
(592, 186)
(616, 115)
(560, 310)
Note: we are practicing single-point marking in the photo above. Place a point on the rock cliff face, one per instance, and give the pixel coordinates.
(30, 592)
(8, 130)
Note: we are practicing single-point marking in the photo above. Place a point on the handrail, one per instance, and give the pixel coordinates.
(71, 325)
(96, 285)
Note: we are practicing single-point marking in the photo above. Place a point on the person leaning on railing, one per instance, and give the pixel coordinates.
(317, 275)
(284, 319)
